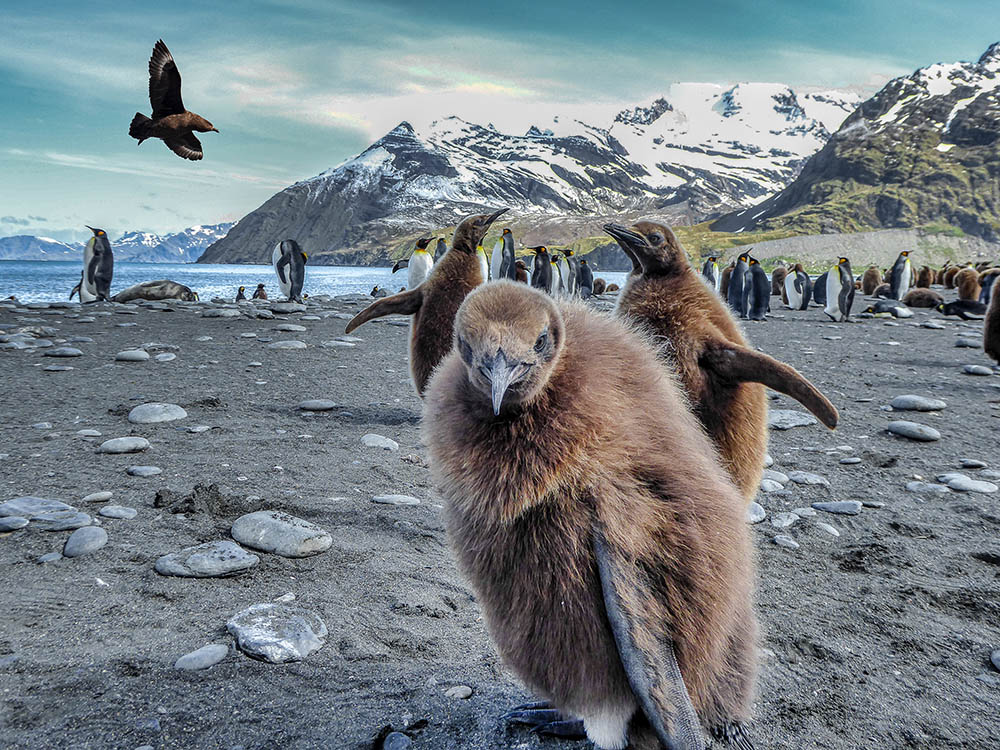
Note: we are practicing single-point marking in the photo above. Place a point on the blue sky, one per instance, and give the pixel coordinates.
(297, 86)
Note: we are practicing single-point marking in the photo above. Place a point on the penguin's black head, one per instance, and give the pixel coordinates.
(423, 242)
(509, 337)
(651, 245)
(905, 253)
(583, 261)
(506, 231)
(97, 232)
(568, 253)
(243, 288)
(260, 286)
(752, 261)
(842, 261)
(471, 231)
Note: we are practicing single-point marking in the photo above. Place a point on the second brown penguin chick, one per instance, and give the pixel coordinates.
(722, 376)
(609, 550)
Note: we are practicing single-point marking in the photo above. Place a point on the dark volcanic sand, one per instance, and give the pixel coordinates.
(877, 639)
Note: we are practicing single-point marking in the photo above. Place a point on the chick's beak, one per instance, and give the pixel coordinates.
(501, 373)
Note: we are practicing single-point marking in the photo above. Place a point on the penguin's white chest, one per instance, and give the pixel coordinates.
(418, 269)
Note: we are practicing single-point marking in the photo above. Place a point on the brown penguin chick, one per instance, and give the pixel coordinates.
(967, 283)
(613, 288)
(778, 280)
(949, 277)
(601, 286)
(727, 272)
(925, 277)
(260, 292)
(171, 122)
(433, 304)
(613, 566)
(720, 373)
(919, 297)
(939, 274)
(882, 290)
(991, 325)
(871, 280)
(521, 269)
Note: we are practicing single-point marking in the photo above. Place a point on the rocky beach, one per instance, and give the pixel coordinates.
(322, 607)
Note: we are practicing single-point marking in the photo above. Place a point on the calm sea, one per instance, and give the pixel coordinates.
(47, 281)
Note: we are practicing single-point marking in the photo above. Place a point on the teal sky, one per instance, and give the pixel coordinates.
(297, 86)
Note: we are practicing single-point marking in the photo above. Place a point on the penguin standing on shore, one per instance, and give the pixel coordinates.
(541, 270)
(967, 283)
(819, 289)
(557, 278)
(260, 292)
(739, 286)
(760, 292)
(991, 327)
(710, 272)
(798, 288)
(98, 269)
(241, 294)
(567, 273)
(839, 291)
(614, 568)
(585, 279)
(418, 265)
(290, 266)
(521, 271)
(871, 280)
(901, 276)
(504, 266)
(725, 276)
(433, 304)
(724, 378)
(484, 263)
(778, 280)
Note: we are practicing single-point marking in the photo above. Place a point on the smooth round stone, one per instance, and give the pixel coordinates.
(995, 659)
(338, 344)
(291, 344)
(58, 368)
(786, 419)
(290, 328)
(990, 474)
(318, 404)
(118, 511)
(977, 370)
(63, 351)
(914, 431)
(459, 692)
(396, 741)
(775, 476)
(97, 497)
(395, 500)
(768, 461)
(249, 335)
(804, 512)
(785, 541)
(208, 560)
(203, 658)
(805, 477)
(255, 364)
(926, 488)
(280, 533)
(972, 463)
(124, 445)
(88, 433)
(783, 520)
(932, 324)
(851, 460)
(203, 338)
(42, 425)
(132, 355)
(155, 412)
(371, 440)
(840, 507)
(827, 528)
(756, 513)
(967, 344)
(166, 357)
(143, 471)
(50, 557)
(277, 633)
(61, 520)
(962, 483)
(769, 485)
(199, 428)
(84, 541)
(33, 507)
(349, 339)
(12, 523)
(916, 403)
(283, 308)
(223, 313)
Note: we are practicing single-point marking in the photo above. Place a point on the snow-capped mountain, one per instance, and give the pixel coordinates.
(922, 151)
(183, 247)
(131, 244)
(27, 247)
(698, 151)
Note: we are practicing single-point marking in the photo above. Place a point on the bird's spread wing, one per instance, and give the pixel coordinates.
(646, 653)
(187, 146)
(404, 303)
(401, 264)
(738, 364)
(279, 267)
(164, 83)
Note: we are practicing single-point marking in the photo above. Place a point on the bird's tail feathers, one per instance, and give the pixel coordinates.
(139, 129)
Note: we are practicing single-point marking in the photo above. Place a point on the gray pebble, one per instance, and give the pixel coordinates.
(283, 308)
(63, 351)
(769, 485)
(976, 370)
(755, 513)
(203, 658)
(459, 692)
(208, 560)
(124, 445)
(50, 557)
(995, 659)
(61, 520)
(32, 507)
(397, 741)
(804, 512)
(805, 477)
(785, 541)
(395, 500)
(166, 357)
(914, 431)
(786, 419)
(827, 528)
(776, 476)
(42, 425)
(277, 633)
(132, 355)
(850, 460)
(926, 488)
(840, 507)
(962, 483)
(224, 312)
(916, 403)
(990, 474)
(143, 471)
(290, 328)
(280, 533)
(57, 368)
(118, 511)
(84, 541)
(337, 344)
(155, 412)
(199, 428)
(783, 520)
(972, 463)
(203, 338)
(318, 404)
(962, 343)
(12, 523)
(371, 440)
(292, 344)
(768, 461)
(932, 324)
(88, 433)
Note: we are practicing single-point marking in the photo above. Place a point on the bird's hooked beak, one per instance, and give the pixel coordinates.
(501, 373)
(213, 130)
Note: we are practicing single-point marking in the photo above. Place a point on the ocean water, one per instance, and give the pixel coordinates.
(48, 281)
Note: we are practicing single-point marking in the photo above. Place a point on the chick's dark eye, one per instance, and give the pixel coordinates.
(540, 343)
(655, 239)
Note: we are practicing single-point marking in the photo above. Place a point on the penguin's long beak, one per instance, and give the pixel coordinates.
(494, 216)
(501, 373)
(625, 236)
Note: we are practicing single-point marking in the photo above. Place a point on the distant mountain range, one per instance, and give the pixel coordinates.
(138, 247)
(696, 153)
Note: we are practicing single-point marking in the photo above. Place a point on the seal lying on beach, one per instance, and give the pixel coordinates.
(154, 290)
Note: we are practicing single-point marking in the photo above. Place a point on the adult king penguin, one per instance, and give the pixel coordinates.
(557, 278)
(798, 288)
(739, 286)
(98, 269)
(991, 326)
(290, 266)
(541, 269)
(839, 291)
(585, 279)
(418, 265)
(484, 263)
(901, 276)
(723, 377)
(760, 292)
(710, 272)
(433, 304)
(819, 289)
(614, 567)
(504, 266)
(567, 274)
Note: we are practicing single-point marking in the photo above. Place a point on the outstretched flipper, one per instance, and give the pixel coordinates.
(280, 267)
(647, 656)
(404, 263)
(76, 289)
(404, 303)
(743, 365)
